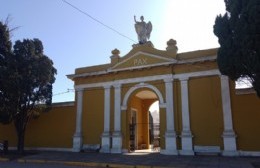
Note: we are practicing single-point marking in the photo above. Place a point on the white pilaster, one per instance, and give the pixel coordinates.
(170, 135)
(105, 146)
(77, 138)
(186, 136)
(117, 136)
(229, 136)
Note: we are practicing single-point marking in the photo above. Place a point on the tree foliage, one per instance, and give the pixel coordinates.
(238, 31)
(26, 78)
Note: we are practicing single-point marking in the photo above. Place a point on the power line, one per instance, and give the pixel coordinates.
(61, 93)
(88, 15)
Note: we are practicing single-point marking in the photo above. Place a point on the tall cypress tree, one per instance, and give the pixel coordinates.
(238, 32)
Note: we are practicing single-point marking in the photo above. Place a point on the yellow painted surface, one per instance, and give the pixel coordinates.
(7, 132)
(53, 129)
(195, 67)
(206, 111)
(93, 115)
(246, 120)
(162, 127)
(45, 132)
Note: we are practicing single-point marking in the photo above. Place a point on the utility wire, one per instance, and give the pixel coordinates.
(61, 93)
(88, 15)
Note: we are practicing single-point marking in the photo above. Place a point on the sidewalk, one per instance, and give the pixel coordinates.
(140, 160)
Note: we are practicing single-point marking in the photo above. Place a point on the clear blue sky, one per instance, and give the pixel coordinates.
(72, 40)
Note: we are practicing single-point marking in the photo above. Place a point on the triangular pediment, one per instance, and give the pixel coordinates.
(142, 60)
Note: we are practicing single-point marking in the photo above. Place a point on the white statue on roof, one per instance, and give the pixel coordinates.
(143, 30)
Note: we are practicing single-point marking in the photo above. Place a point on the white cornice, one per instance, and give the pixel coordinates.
(150, 78)
(200, 59)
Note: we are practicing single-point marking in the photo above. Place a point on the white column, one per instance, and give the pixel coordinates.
(186, 136)
(170, 135)
(105, 146)
(229, 136)
(117, 136)
(77, 138)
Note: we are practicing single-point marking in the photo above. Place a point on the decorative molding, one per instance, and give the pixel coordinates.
(183, 79)
(142, 85)
(171, 61)
(79, 89)
(124, 81)
(197, 74)
(107, 86)
(168, 80)
(249, 153)
(201, 59)
(245, 91)
(151, 78)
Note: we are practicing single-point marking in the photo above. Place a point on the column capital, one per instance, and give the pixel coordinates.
(223, 77)
(79, 89)
(123, 108)
(168, 80)
(162, 105)
(107, 86)
(117, 85)
(184, 78)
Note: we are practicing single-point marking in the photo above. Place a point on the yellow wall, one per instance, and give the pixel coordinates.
(93, 115)
(206, 111)
(53, 129)
(246, 120)
(7, 132)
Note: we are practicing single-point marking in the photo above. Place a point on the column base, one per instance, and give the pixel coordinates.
(105, 140)
(116, 143)
(230, 153)
(186, 142)
(170, 144)
(77, 143)
(186, 152)
(229, 139)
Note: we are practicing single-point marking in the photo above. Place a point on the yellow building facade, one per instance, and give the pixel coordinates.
(200, 110)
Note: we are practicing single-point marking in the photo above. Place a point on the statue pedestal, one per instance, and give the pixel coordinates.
(146, 44)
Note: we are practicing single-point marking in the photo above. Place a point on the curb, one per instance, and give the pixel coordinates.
(89, 164)
(4, 159)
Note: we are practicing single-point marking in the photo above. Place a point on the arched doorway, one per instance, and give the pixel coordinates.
(141, 129)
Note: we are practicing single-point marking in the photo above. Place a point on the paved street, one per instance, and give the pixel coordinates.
(43, 159)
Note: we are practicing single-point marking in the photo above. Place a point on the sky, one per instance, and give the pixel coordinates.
(72, 39)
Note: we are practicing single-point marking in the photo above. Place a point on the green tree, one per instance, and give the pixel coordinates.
(238, 32)
(26, 80)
